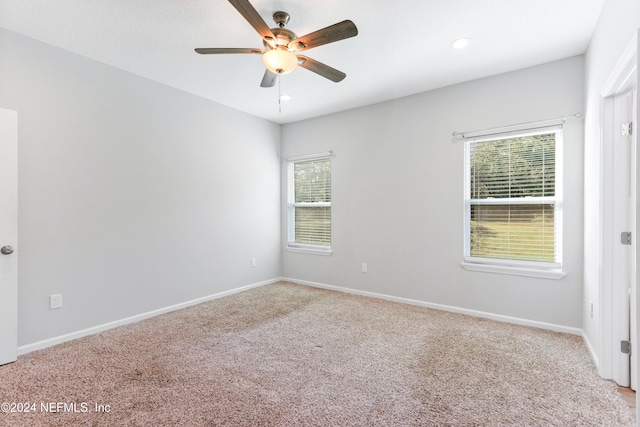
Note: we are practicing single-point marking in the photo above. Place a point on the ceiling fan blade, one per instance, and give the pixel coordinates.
(253, 17)
(321, 69)
(333, 33)
(269, 79)
(223, 50)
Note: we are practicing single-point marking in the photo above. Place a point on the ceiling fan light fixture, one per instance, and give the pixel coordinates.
(280, 61)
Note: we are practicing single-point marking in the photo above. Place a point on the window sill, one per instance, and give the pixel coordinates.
(516, 271)
(310, 250)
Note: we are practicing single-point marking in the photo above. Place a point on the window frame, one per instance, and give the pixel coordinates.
(292, 245)
(548, 270)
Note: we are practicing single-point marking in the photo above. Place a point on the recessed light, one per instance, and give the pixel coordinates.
(285, 97)
(461, 43)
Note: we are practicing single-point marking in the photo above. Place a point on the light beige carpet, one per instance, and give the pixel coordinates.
(287, 355)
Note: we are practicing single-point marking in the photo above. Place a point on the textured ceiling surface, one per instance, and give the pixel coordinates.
(402, 48)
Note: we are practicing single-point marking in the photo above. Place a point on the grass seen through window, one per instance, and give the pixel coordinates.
(531, 240)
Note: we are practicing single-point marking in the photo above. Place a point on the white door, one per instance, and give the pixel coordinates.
(628, 128)
(8, 236)
(633, 212)
(633, 220)
(623, 217)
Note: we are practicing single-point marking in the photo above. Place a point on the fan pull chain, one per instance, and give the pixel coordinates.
(279, 96)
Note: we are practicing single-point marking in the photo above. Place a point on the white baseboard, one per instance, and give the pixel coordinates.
(475, 313)
(110, 325)
(592, 351)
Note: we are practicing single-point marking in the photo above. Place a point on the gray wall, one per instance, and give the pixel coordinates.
(133, 196)
(398, 188)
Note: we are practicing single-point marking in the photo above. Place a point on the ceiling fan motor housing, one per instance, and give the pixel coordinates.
(283, 37)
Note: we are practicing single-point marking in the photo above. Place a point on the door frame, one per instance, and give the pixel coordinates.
(613, 319)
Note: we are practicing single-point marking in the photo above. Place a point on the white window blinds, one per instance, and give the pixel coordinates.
(309, 203)
(513, 198)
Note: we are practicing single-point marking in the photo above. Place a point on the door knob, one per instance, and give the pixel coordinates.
(6, 250)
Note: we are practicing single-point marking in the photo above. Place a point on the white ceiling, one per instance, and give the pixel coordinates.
(403, 47)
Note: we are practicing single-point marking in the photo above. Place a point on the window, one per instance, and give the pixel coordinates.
(309, 204)
(513, 203)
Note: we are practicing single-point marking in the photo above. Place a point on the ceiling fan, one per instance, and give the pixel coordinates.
(281, 45)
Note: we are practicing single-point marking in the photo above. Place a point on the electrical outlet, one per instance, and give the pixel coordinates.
(253, 263)
(365, 268)
(55, 301)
